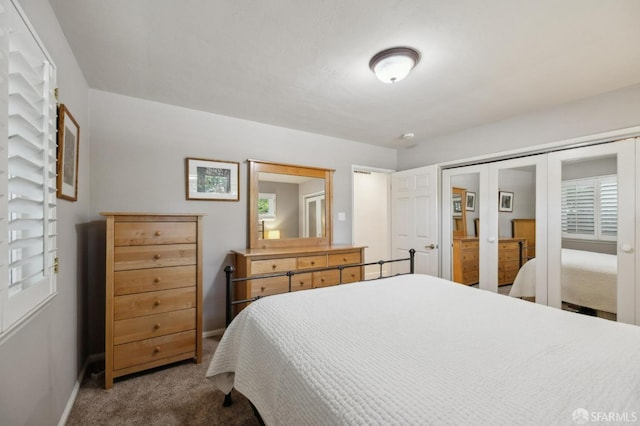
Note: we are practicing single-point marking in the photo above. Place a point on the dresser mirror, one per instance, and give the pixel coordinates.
(289, 206)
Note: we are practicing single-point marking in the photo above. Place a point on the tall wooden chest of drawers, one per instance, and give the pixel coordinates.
(465, 261)
(250, 262)
(153, 291)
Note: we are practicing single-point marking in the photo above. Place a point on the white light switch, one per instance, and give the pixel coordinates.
(342, 216)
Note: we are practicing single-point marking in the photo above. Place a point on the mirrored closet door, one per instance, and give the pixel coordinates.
(592, 230)
(505, 219)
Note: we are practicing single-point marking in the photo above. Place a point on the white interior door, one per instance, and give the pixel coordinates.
(414, 218)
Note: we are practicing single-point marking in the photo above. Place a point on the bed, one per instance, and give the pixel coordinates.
(416, 349)
(588, 280)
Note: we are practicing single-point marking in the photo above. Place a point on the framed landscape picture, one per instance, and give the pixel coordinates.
(214, 180)
(67, 161)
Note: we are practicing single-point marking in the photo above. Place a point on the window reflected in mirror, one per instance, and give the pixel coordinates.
(290, 206)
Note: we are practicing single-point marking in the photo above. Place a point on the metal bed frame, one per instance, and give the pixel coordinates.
(229, 270)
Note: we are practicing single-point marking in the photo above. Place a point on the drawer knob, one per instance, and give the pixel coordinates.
(344, 259)
(156, 280)
(274, 266)
(322, 279)
(156, 256)
(156, 349)
(157, 326)
(313, 262)
(263, 288)
(158, 233)
(301, 283)
(156, 303)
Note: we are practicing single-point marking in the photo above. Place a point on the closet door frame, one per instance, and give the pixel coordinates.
(540, 163)
(624, 150)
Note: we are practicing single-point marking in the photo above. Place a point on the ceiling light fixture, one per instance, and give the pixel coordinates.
(392, 65)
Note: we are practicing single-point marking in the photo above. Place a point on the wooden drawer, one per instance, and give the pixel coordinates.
(150, 233)
(510, 245)
(351, 275)
(507, 255)
(469, 244)
(273, 265)
(130, 330)
(311, 262)
(344, 258)
(137, 305)
(326, 278)
(512, 265)
(141, 257)
(277, 285)
(143, 280)
(469, 256)
(149, 350)
(469, 267)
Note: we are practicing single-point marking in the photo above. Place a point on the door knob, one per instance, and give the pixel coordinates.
(626, 248)
(491, 239)
(431, 247)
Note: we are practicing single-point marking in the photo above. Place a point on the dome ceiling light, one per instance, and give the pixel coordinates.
(392, 65)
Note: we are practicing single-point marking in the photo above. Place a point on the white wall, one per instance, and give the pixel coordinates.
(137, 164)
(610, 111)
(40, 362)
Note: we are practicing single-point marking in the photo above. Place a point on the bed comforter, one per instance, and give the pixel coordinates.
(416, 349)
(588, 279)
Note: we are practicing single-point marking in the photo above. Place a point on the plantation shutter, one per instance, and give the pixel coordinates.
(27, 172)
(608, 187)
(578, 207)
(590, 208)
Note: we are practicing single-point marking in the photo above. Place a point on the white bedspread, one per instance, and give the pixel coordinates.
(588, 279)
(417, 350)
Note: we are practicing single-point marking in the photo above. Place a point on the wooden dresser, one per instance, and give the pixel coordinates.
(153, 291)
(466, 258)
(250, 262)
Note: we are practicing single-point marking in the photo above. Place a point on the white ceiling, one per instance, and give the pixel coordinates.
(304, 64)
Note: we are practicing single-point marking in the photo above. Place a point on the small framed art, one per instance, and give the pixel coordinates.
(471, 201)
(214, 180)
(505, 201)
(67, 161)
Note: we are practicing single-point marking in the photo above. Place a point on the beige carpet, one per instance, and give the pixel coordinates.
(175, 395)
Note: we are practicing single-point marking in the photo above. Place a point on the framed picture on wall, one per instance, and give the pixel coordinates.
(213, 180)
(505, 201)
(471, 201)
(67, 161)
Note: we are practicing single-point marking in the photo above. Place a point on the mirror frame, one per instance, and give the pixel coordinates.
(256, 167)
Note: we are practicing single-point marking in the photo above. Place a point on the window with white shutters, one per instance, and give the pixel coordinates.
(27, 169)
(590, 208)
